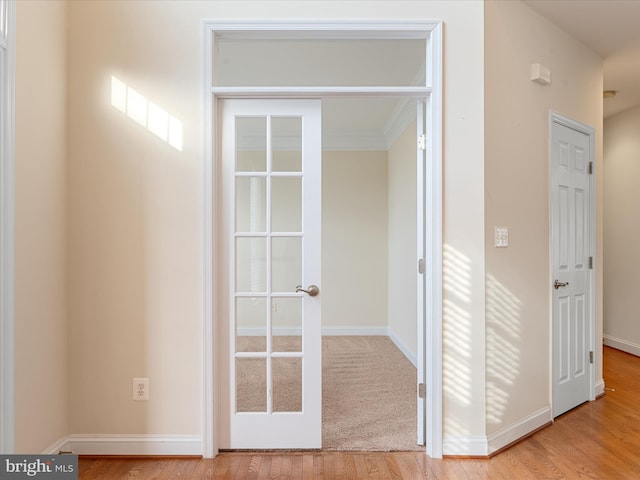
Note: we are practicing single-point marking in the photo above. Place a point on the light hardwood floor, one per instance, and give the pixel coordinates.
(598, 440)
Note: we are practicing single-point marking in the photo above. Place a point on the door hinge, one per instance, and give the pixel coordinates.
(590, 263)
(422, 390)
(421, 266)
(590, 169)
(422, 142)
(590, 357)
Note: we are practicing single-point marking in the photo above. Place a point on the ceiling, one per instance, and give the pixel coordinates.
(610, 28)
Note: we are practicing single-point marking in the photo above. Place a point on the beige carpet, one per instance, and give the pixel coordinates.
(368, 397)
(368, 392)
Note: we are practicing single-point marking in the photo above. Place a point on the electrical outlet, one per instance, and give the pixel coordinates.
(140, 389)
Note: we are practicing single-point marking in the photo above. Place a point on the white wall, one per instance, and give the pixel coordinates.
(403, 254)
(517, 196)
(622, 230)
(354, 240)
(41, 220)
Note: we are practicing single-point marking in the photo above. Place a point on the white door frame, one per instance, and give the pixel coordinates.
(7, 226)
(432, 91)
(557, 118)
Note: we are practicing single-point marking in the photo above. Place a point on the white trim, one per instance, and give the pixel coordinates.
(307, 92)
(335, 30)
(406, 351)
(474, 446)
(60, 445)
(620, 344)
(210, 298)
(520, 429)
(355, 331)
(7, 235)
(129, 445)
(557, 118)
(599, 387)
(421, 254)
(326, 331)
(433, 248)
(430, 30)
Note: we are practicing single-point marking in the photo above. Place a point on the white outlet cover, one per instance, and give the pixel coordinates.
(140, 389)
(501, 237)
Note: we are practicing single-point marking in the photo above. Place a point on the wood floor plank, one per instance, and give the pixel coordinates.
(318, 467)
(338, 466)
(392, 467)
(296, 469)
(307, 467)
(598, 441)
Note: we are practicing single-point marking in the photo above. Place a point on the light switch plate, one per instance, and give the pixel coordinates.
(501, 237)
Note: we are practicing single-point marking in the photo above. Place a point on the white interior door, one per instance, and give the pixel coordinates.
(571, 287)
(272, 185)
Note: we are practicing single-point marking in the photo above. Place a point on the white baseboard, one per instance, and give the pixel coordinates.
(519, 429)
(479, 446)
(129, 445)
(620, 344)
(55, 447)
(599, 387)
(411, 356)
(355, 331)
(261, 332)
(474, 446)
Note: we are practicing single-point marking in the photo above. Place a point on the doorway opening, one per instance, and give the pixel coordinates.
(426, 266)
(369, 273)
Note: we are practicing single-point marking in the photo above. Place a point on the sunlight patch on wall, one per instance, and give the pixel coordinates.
(503, 347)
(456, 334)
(146, 113)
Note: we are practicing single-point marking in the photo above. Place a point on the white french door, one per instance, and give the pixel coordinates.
(571, 223)
(271, 163)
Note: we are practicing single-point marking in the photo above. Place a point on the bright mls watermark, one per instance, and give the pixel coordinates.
(52, 467)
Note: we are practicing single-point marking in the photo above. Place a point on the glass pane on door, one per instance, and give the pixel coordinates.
(286, 324)
(251, 264)
(286, 204)
(287, 144)
(286, 263)
(251, 385)
(268, 264)
(287, 384)
(251, 324)
(251, 204)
